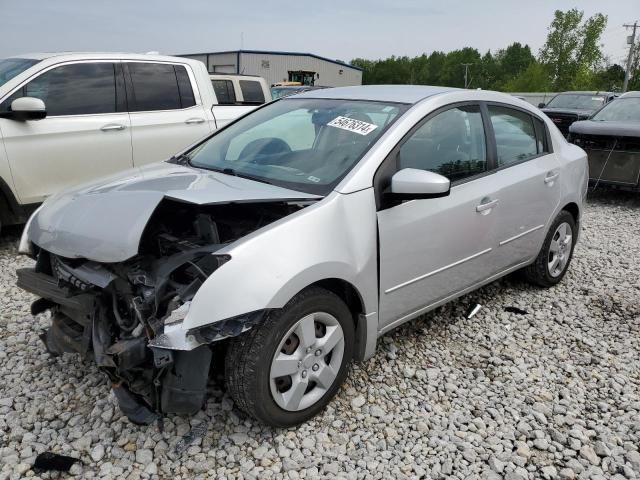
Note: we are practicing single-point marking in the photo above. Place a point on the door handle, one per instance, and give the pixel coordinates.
(551, 176)
(191, 121)
(485, 206)
(112, 126)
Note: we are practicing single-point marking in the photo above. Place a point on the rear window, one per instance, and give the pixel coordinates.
(224, 92)
(252, 91)
(160, 86)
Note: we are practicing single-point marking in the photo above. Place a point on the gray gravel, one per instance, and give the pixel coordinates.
(554, 393)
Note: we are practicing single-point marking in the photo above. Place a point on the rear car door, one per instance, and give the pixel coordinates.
(527, 175)
(85, 135)
(165, 110)
(431, 249)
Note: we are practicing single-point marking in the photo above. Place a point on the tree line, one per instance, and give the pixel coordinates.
(571, 59)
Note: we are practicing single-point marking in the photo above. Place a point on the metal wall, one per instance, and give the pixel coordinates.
(276, 68)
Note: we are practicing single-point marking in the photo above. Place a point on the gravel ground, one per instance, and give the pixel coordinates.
(553, 393)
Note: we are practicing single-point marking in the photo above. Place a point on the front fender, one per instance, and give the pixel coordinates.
(334, 238)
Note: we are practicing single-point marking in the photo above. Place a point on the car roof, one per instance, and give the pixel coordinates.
(65, 56)
(380, 93)
(633, 93)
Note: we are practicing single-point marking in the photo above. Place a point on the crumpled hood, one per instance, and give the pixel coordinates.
(104, 220)
(595, 127)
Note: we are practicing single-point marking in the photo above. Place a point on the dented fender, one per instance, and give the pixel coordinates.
(270, 266)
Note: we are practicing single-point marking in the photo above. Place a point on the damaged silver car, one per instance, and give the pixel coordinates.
(276, 251)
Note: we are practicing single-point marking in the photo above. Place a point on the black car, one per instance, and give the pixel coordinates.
(611, 138)
(568, 107)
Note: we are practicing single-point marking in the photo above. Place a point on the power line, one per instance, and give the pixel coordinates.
(630, 57)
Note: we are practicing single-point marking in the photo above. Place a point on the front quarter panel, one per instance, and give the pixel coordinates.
(334, 238)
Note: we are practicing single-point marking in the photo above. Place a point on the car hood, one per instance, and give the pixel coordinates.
(568, 111)
(105, 220)
(594, 127)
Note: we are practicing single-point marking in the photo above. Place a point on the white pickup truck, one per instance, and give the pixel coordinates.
(66, 118)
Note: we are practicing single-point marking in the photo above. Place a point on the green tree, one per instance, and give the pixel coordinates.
(572, 51)
(534, 79)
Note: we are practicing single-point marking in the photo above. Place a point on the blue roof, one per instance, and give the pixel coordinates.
(379, 93)
(269, 52)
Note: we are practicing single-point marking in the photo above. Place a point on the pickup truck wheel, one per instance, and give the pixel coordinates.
(554, 258)
(285, 370)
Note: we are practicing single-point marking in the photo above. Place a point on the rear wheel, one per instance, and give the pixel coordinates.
(554, 258)
(285, 370)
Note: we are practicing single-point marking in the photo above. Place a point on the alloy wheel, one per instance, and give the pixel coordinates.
(560, 250)
(307, 361)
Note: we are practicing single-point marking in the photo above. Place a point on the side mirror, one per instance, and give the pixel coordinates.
(412, 183)
(541, 105)
(28, 108)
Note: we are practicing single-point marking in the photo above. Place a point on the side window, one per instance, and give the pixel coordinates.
(77, 89)
(187, 99)
(155, 87)
(225, 93)
(452, 143)
(515, 135)
(541, 136)
(252, 91)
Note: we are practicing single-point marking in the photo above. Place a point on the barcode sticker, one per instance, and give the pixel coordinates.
(352, 125)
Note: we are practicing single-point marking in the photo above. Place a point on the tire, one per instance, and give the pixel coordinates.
(557, 250)
(282, 344)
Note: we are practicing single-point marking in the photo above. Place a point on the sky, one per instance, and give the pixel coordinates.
(342, 30)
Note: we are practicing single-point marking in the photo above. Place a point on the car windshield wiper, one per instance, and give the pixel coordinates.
(234, 173)
(181, 159)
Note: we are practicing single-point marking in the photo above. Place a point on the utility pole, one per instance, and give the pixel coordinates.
(466, 73)
(630, 57)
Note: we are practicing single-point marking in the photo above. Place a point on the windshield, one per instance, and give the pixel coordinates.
(620, 110)
(307, 145)
(576, 102)
(11, 67)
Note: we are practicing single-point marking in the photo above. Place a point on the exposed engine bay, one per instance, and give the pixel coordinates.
(113, 310)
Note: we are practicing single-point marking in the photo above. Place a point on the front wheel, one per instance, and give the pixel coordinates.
(554, 258)
(286, 369)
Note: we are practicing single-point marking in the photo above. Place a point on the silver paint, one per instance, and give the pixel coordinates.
(428, 246)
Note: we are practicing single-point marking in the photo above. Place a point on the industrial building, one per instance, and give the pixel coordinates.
(275, 67)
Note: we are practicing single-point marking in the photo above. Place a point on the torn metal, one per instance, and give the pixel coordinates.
(123, 313)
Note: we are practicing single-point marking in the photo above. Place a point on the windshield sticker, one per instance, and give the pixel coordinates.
(352, 125)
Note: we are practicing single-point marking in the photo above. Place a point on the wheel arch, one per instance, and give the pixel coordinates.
(354, 301)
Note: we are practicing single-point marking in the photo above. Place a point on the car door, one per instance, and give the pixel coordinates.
(527, 175)
(166, 113)
(85, 135)
(431, 249)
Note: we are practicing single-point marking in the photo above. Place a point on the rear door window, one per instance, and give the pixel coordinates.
(225, 93)
(155, 87)
(187, 98)
(515, 135)
(252, 92)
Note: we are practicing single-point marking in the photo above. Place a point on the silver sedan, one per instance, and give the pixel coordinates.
(279, 249)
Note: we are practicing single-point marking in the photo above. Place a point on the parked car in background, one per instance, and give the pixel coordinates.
(71, 117)
(285, 91)
(611, 139)
(295, 237)
(568, 107)
(240, 89)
